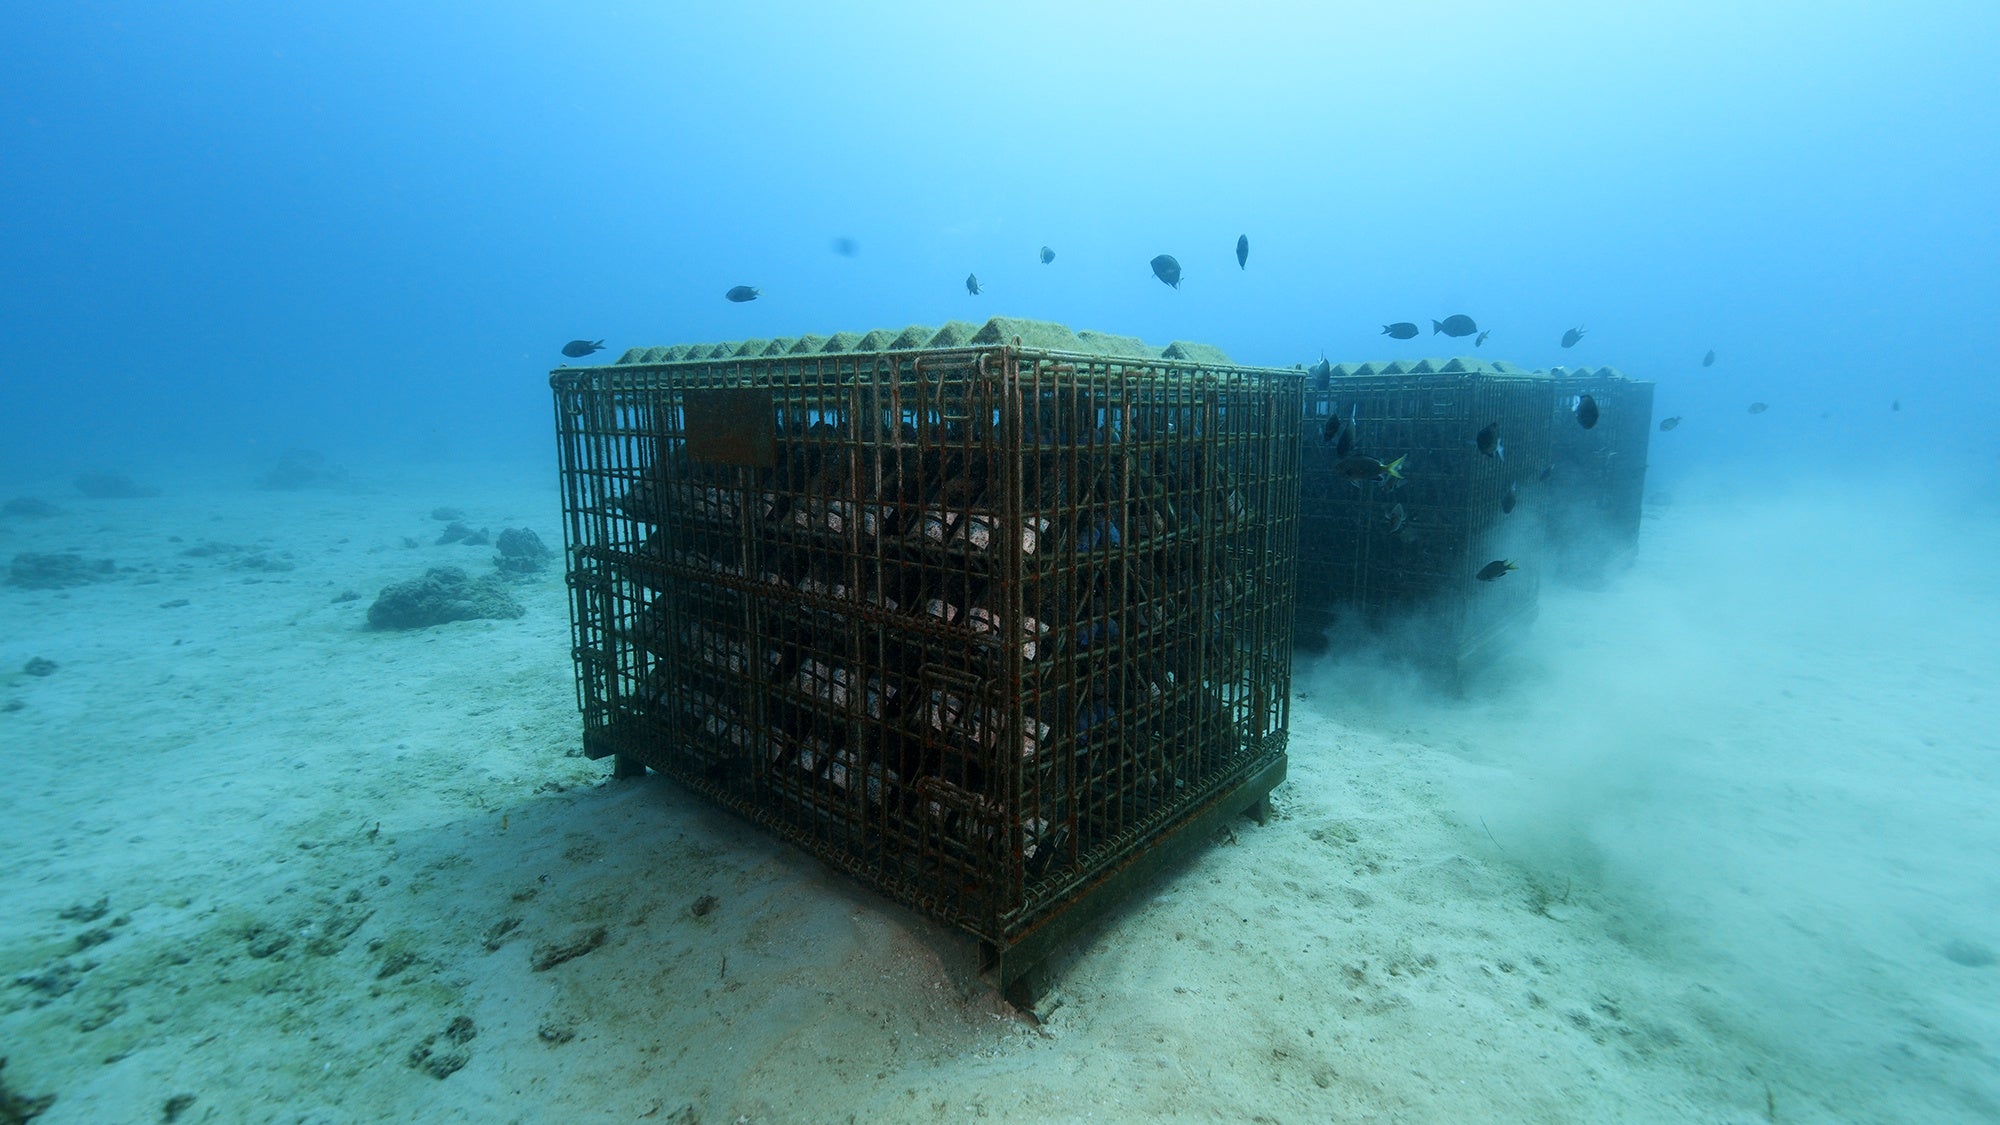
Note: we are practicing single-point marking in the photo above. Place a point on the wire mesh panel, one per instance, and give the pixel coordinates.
(1598, 486)
(1406, 548)
(979, 625)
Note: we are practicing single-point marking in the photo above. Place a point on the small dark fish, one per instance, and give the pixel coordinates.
(1489, 440)
(577, 349)
(1709, 359)
(1586, 411)
(1401, 330)
(1396, 518)
(1896, 405)
(1242, 251)
(1572, 336)
(1048, 255)
(846, 247)
(1360, 469)
(1331, 431)
(1168, 270)
(1547, 472)
(1457, 324)
(1758, 408)
(972, 284)
(1481, 341)
(1345, 445)
(742, 293)
(1669, 423)
(1508, 501)
(1495, 569)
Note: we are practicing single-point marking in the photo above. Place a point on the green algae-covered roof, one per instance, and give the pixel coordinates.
(1455, 365)
(915, 336)
(1598, 373)
(1039, 335)
(1104, 343)
(1194, 353)
(954, 334)
(1032, 333)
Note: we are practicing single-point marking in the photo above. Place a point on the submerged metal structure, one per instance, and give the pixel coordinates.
(1400, 557)
(996, 619)
(1406, 551)
(1599, 474)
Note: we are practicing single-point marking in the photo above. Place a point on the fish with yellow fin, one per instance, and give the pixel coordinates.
(1362, 470)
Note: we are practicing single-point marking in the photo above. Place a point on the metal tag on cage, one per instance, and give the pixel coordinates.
(731, 426)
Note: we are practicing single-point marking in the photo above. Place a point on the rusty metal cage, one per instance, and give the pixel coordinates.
(995, 629)
(1597, 489)
(1408, 551)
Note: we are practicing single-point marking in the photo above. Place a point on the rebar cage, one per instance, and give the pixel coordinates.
(1409, 550)
(981, 626)
(1599, 484)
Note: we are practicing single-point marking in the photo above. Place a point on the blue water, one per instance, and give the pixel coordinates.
(235, 229)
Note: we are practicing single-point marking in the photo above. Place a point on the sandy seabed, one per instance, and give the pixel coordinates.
(1716, 843)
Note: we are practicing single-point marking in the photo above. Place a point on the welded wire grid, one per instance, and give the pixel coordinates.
(986, 623)
(1598, 487)
(1392, 550)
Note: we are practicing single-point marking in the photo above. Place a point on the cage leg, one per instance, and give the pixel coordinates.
(1260, 810)
(623, 767)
